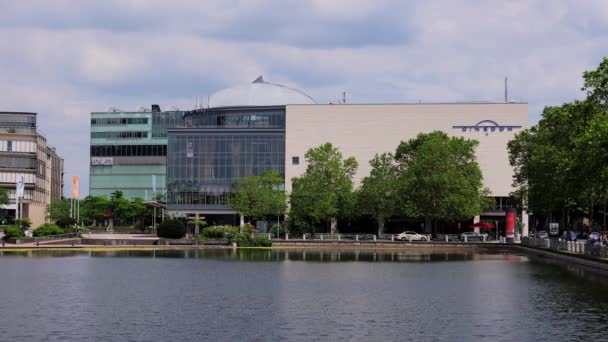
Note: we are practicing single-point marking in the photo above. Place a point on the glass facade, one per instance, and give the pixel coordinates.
(126, 155)
(119, 121)
(119, 135)
(205, 162)
(17, 122)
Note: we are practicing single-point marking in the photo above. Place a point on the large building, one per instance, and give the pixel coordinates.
(259, 126)
(129, 151)
(25, 153)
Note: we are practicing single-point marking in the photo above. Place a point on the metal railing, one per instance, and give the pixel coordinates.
(589, 248)
(56, 237)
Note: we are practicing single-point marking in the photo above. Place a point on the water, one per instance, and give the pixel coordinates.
(262, 295)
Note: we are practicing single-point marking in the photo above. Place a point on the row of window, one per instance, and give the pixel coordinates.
(119, 121)
(128, 150)
(119, 135)
(26, 146)
(13, 162)
(12, 177)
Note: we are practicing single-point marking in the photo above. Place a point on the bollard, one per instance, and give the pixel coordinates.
(447, 238)
(392, 238)
(411, 237)
(286, 236)
(428, 238)
(374, 238)
(37, 243)
(303, 236)
(357, 237)
(338, 237)
(465, 238)
(484, 238)
(321, 236)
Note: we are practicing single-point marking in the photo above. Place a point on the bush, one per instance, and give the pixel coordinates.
(248, 228)
(25, 223)
(48, 229)
(13, 232)
(220, 232)
(171, 229)
(279, 229)
(245, 240)
(65, 222)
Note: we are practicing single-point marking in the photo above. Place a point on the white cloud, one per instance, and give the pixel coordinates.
(66, 60)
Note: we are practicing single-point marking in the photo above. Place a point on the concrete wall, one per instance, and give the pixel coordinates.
(364, 130)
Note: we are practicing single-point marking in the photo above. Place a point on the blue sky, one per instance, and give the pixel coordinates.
(66, 58)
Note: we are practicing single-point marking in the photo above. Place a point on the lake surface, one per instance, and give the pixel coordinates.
(263, 295)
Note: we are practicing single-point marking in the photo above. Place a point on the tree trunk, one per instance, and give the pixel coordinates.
(427, 224)
(333, 226)
(380, 225)
(111, 224)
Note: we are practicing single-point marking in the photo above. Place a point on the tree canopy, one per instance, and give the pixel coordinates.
(259, 196)
(3, 196)
(378, 194)
(440, 178)
(325, 191)
(561, 164)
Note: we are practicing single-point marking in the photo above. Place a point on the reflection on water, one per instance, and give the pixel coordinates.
(299, 295)
(309, 255)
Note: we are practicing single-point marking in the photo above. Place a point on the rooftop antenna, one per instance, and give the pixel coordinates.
(506, 90)
(343, 97)
(208, 99)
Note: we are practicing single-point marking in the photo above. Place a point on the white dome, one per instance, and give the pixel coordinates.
(258, 93)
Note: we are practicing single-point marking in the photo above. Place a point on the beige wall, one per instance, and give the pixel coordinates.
(364, 130)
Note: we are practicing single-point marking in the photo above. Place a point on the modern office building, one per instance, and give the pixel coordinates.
(129, 151)
(25, 153)
(259, 126)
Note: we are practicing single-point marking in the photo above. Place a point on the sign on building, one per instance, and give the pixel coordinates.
(102, 161)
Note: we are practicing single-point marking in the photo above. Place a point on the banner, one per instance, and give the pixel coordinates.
(154, 183)
(75, 192)
(20, 187)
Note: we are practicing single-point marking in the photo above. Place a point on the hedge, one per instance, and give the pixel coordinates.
(48, 229)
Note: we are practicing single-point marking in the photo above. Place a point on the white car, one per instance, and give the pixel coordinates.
(472, 236)
(413, 236)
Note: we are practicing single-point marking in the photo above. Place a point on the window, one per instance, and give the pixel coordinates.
(9, 146)
(295, 160)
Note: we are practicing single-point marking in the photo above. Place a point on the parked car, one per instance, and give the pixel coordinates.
(542, 234)
(472, 236)
(408, 235)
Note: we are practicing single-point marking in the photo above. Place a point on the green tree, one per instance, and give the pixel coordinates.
(325, 191)
(440, 178)
(378, 193)
(4, 196)
(258, 197)
(58, 209)
(93, 209)
(558, 163)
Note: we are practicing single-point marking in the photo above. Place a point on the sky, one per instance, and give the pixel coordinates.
(64, 59)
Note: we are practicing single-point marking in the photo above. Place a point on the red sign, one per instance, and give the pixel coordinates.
(510, 223)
